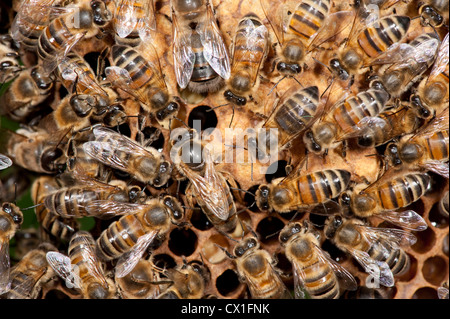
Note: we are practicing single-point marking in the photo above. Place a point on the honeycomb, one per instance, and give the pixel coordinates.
(199, 240)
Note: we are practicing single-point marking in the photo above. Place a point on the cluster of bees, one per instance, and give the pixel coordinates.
(357, 93)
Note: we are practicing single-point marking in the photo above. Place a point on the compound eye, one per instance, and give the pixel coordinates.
(337, 221)
(7, 208)
(239, 251)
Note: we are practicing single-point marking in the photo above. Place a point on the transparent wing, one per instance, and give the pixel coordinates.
(438, 167)
(300, 291)
(5, 161)
(408, 219)
(214, 48)
(392, 237)
(62, 265)
(183, 54)
(91, 262)
(277, 28)
(125, 20)
(442, 293)
(121, 79)
(128, 261)
(26, 286)
(361, 127)
(442, 59)
(438, 124)
(107, 208)
(5, 283)
(346, 279)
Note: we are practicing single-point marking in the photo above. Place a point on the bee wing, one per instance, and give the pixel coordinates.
(214, 48)
(5, 283)
(125, 21)
(333, 26)
(442, 293)
(361, 127)
(394, 238)
(378, 270)
(346, 279)
(408, 219)
(300, 291)
(439, 123)
(104, 209)
(128, 261)
(438, 167)
(442, 59)
(256, 37)
(62, 265)
(91, 262)
(149, 21)
(277, 28)
(5, 161)
(121, 78)
(210, 188)
(183, 54)
(153, 62)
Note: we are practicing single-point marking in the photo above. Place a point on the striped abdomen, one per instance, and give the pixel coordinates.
(397, 259)
(354, 109)
(85, 75)
(133, 38)
(309, 17)
(120, 237)
(54, 39)
(202, 70)
(402, 191)
(55, 225)
(383, 33)
(294, 114)
(81, 244)
(434, 147)
(70, 202)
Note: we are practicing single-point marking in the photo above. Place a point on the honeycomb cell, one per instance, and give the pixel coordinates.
(199, 219)
(210, 250)
(425, 293)
(227, 283)
(182, 242)
(425, 240)
(437, 218)
(276, 170)
(435, 270)
(445, 245)
(268, 229)
(411, 272)
(164, 261)
(205, 115)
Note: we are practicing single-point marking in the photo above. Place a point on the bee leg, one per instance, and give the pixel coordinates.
(101, 62)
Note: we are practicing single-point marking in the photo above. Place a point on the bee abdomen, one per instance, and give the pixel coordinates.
(309, 17)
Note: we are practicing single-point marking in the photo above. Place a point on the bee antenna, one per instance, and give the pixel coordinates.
(182, 122)
(242, 190)
(273, 234)
(244, 209)
(216, 107)
(323, 64)
(276, 84)
(31, 207)
(226, 251)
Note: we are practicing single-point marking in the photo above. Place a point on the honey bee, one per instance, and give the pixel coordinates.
(369, 38)
(31, 273)
(82, 21)
(404, 64)
(128, 238)
(117, 151)
(300, 30)
(11, 217)
(257, 269)
(82, 269)
(5, 162)
(389, 124)
(201, 60)
(90, 198)
(9, 61)
(293, 114)
(250, 50)
(25, 94)
(143, 79)
(339, 122)
(143, 282)
(30, 21)
(378, 250)
(34, 150)
(432, 92)
(434, 12)
(300, 191)
(315, 273)
(443, 291)
(49, 222)
(188, 282)
(133, 21)
(426, 149)
(388, 194)
(208, 186)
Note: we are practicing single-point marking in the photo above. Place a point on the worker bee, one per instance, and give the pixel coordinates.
(315, 274)
(30, 21)
(404, 64)
(369, 37)
(443, 291)
(339, 122)
(201, 60)
(300, 191)
(82, 269)
(117, 151)
(378, 250)
(250, 50)
(128, 238)
(143, 79)
(426, 149)
(82, 21)
(9, 61)
(293, 114)
(257, 269)
(25, 94)
(31, 273)
(388, 194)
(143, 282)
(49, 222)
(432, 92)
(389, 124)
(11, 217)
(34, 150)
(133, 21)
(5, 161)
(208, 186)
(188, 282)
(434, 12)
